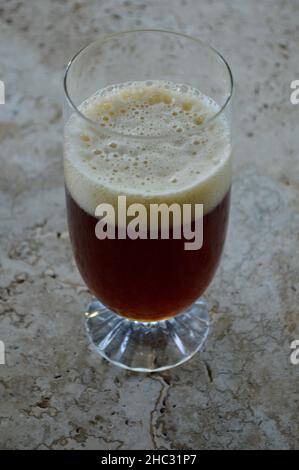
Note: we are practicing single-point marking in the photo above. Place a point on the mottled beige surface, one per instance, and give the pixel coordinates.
(241, 391)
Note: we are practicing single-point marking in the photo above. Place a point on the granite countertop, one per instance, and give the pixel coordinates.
(241, 391)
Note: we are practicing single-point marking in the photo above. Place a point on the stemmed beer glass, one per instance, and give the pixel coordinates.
(147, 132)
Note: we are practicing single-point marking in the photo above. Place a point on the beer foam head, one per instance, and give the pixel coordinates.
(148, 141)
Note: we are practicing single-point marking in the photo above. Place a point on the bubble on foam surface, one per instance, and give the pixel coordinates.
(162, 153)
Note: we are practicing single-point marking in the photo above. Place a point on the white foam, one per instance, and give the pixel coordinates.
(148, 141)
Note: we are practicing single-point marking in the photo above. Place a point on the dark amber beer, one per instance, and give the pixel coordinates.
(146, 279)
(160, 152)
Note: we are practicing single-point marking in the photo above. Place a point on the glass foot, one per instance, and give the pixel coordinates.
(147, 346)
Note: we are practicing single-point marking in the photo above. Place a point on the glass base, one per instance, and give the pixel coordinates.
(147, 346)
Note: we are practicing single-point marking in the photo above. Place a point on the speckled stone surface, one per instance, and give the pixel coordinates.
(241, 391)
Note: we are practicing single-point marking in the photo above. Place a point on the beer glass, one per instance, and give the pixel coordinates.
(147, 122)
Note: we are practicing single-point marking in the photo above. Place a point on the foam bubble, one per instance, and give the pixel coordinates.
(161, 154)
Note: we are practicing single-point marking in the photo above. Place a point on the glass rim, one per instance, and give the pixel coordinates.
(104, 39)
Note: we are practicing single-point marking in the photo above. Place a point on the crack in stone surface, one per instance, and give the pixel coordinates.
(159, 440)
